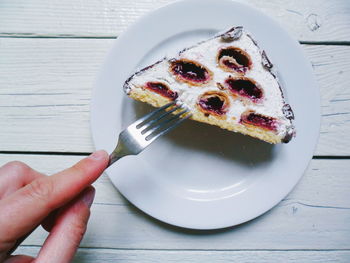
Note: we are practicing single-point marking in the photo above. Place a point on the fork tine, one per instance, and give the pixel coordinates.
(148, 125)
(164, 122)
(175, 124)
(152, 114)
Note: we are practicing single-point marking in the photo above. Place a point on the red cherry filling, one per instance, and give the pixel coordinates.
(213, 102)
(161, 89)
(259, 120)
(234, 59)
(244, 87)
(190, 71)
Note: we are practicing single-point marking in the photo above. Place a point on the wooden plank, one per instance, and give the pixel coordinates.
(312, 20)
(331, 68)
(156, 256)
(42, 83)
(48, 82)
(315, 215)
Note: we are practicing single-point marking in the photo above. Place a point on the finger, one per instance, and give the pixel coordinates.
(30, 205)
(19, 259)
(69, 229)
(14, 175)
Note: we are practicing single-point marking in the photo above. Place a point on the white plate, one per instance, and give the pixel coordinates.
(200, 176)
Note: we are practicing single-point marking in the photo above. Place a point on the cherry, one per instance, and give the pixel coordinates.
(214, 102)
(260, 120)
(190, 71)
(234, 59)
(162, 89)
(244, 87)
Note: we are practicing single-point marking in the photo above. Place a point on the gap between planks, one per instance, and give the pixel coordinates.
(46, 153)
(316, 157)
(194, 250)
(24, 35)
(311, 20)
(153, 256)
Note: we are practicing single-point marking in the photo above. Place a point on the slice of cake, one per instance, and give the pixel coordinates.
(227, 81)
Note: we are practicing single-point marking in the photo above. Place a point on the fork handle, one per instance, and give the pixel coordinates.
(119, 152)
(113, 157)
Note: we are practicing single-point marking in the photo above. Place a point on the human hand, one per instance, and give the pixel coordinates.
(60, 203)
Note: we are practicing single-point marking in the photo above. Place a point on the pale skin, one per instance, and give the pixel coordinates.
(60, 203)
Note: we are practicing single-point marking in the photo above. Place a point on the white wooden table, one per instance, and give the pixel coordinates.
(50, 51)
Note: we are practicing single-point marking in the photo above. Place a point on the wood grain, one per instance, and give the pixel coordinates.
(315, 215)
(156, 256)
(45, 89)
(311, 20)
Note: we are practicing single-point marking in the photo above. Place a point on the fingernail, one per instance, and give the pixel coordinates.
(88, 196)
(98, 155)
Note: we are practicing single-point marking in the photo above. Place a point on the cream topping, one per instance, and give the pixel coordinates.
(206, 54)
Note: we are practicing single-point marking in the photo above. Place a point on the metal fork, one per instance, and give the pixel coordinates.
(136, 137)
